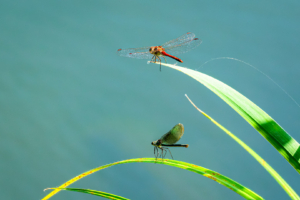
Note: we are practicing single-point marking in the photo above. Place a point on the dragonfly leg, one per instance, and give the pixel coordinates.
(152, 58)
(165, 149)
(170, 153)
(165, 153)
(162, 153)
(165, 61)
(159, 63)
(165, 58)
(156, 153)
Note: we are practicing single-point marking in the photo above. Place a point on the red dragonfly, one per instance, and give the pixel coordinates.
(179, 45)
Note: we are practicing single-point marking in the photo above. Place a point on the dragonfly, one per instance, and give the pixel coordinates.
(168, 140)
(179, 45)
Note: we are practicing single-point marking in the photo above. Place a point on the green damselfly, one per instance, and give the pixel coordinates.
(168, 140)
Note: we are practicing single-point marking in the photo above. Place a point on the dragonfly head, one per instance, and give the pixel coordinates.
(156, 143)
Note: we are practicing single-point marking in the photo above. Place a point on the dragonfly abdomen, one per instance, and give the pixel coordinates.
(175, 58)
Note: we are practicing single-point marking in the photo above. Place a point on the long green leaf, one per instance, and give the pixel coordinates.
(287, 146)
(273, 173)
(231, 184)
(93, 192)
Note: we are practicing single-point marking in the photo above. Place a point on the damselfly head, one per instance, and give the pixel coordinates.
(156, 143)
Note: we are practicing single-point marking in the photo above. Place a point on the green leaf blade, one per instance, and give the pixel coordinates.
(287, 146)
(293, 195)
(93, 192)
(227, 182)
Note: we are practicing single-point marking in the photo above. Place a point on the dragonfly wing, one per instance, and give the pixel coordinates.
(173, 135)
(139, 53)
(182, 44)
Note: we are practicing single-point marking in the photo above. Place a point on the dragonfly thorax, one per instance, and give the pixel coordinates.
(156, 50)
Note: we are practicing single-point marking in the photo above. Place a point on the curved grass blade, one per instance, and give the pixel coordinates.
(273, 173)
(287, 146)
(92, 192)
(229, 183)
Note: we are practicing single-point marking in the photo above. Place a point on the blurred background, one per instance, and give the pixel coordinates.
(69, 103)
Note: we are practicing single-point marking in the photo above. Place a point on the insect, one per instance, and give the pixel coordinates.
(179, 45)
(168, 140)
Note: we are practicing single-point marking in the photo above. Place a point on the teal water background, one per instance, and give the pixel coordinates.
(70, 104)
